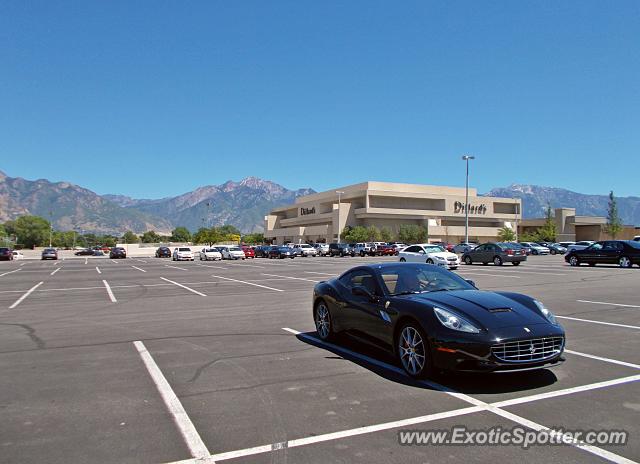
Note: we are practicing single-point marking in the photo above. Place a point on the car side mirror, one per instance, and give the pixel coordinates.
(363, 291)
(471, 282)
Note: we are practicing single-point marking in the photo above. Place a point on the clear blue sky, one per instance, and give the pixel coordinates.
(116, 95)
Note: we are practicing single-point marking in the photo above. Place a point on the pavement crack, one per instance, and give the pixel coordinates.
(31, 333)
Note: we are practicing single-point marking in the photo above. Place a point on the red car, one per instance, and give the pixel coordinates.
(248, 252)
(445, 246)
(386, 250)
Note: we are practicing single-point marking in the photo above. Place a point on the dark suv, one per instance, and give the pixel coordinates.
(118, 253)
(341, 249)
(163, 252)
(6, 254)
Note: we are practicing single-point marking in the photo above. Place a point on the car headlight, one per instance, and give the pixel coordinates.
(453, 321)
(546, 312)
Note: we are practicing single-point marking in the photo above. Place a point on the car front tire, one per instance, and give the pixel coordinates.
(413, 351)
(625, 262)
(322, 319)
(468, 261)
(574, 261)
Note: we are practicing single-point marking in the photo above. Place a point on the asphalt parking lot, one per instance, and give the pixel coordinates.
(149, 360)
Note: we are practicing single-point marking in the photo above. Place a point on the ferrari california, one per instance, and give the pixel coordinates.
(432, 320)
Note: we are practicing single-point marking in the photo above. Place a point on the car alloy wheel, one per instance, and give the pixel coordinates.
(624, 262)
(412, 351)
(497, 261)
(574, 261)
(468, 260)
(323, 321)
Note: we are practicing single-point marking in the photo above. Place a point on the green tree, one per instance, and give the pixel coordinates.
(180, 234)
(413, 233)
(108, 240)
(30, 230)
(228, 229)
(386, 235)
(373, 234)
(150, 236)
(506, 234)
(547, 233)
(254, 238)
(129, 237)
(614, 224)
(62, 239)
(355, 234)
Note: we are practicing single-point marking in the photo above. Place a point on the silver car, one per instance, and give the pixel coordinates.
(49, 253)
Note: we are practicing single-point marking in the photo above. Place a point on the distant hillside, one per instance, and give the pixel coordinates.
(535, 200)
(242, 204)
(71, 207)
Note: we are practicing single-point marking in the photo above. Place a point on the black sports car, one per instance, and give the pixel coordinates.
(432, 319)
(624, 253)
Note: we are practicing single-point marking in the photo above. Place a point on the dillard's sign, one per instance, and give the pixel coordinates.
(458, 207)
(305, 211)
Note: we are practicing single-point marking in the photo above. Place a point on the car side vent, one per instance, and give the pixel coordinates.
(500, 310)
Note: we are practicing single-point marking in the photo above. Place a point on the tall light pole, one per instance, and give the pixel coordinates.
(50, 227)
(340, 193)
(466, 199)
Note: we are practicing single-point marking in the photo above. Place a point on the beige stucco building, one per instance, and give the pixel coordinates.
(319, 217)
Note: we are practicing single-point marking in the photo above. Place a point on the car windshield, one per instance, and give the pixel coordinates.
(211, 250)
(420, 278)
(433, 249)
(184, 249)
(235, 249)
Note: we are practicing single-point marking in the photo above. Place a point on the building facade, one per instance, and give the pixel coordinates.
(321, 217)
(573, 228)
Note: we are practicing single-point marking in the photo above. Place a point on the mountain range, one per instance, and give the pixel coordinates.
(242, 204)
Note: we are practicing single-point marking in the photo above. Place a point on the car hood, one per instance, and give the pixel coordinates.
(490, 309)
(443, 254)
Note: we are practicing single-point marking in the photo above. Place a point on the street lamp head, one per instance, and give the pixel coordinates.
(467, 157)
(339, 192)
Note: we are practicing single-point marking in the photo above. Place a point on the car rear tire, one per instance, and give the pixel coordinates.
(516, 263)
(574, 261)
(402, 260)
(625, 262)
(468, 261)
(429, 261)
(553, 252)
(413, 351)
(497, 261)
(322, 319)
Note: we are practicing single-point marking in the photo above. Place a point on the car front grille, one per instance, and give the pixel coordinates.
(452, 259)
(537, 349)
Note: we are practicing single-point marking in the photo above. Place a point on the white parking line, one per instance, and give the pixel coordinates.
(98, 269)
(608, 304)
(86, 260)
(599, 322)
(56, 270)
(321, 273)
(21, 299)
(188, 431)
(56, 263)
(136, 267)
(184, 286)
(248, 265)
(109, 292)
(245, 282)
(10, 272)
(487, 274)
(175, 267)
(212, 267)
(293, 278)
(141, 260)
(600, 358)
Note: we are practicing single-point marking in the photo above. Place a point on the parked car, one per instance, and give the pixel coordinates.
(6, 254)
(363, 249)
(248, 252)
(51, 253)
(386, 250)
(432, 319)
(496, 253)
(232, 252)
(305, 250)
(566, 244)
(430, 254)
(341, 249)
(624, 253)
(322, 249)
(118, 253)
(636, 238)
(281, 252)
(17, 254)
(556, 249)
(182, 254)
(445, 246)
(84, 252)
(580, 245)
(398, 246)
(163, 252)
(463, 247)
(261, 251)
(535, 248)
(207, 254)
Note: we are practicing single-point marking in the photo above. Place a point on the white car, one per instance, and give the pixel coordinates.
(232, 252)
(182, 254)
(580, 245)
(304, 249)
(17, 254)
(210, 253)
(430, 254)
(364, 249)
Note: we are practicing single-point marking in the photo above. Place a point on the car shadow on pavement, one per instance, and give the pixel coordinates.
(384, 365)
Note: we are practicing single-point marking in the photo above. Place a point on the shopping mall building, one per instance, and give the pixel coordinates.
(320, 217)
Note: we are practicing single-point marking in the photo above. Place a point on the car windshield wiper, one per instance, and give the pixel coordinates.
(438, 290)
(408, 292)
